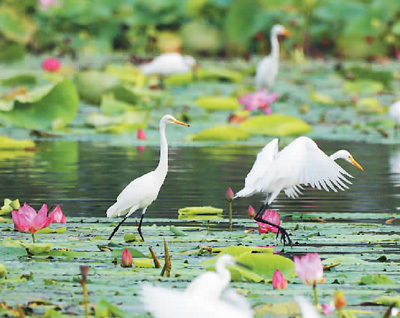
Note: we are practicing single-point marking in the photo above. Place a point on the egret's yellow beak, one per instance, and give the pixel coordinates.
(286, 32)
(356, 163)
(181, 123)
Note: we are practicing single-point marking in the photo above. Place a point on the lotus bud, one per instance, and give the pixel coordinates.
(141, 135)
(126, 259)
(229, 195)
(339, 299)
(250, 212)
(51, 64)
(84, 271)
(278, 280)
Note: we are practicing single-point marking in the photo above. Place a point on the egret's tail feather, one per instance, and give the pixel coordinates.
(243, 193)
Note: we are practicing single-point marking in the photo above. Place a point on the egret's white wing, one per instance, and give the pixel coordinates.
(167, 303)
(264, 159)
(266, 72)
(206, 286)
(166, 64)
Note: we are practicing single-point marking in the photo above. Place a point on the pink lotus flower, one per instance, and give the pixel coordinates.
(229, 195)
(45, 4)
(250, 212)
(51, 64)
(309, 269)
(259, 100)
(27, 220)
(57, 216)
(141, 135)
(272, 217)
(278, 280)
(328, 309)
(126, 259)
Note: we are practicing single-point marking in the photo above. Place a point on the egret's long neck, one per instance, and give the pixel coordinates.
(224, 274)
(163, 163)
(336, 155)
(274, 46)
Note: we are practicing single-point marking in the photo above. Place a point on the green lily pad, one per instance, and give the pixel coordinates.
(176, 231)
(14, 144)
(130, 237)
(21, 79)
(286, 309)
(15, 26)
(3, 271)
(203, 210)
(181, 79)
(365, 86)
(38, 248)
(12, 251)
(9, 205)
(275, 125)
(117, 253)
(105, 309)
(224, 132)
(93, 84)
(56, 108)
(369, 105)
(375, 279)
(143, 262)
(221, 74)
(321, 98)
(213, 103)
(388, 301)
(239, 250)
(48, 230)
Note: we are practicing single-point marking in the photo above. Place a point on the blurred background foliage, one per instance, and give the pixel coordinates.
(344, 28)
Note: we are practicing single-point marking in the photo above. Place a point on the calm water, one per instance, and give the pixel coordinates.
(85, 178)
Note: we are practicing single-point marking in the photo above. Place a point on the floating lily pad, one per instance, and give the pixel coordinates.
(48, 230)
(11, 144)
(130, 237)
(388, 301)
(9, 206)
(203, 210)
(143, 262)
(224, 132)
(239, 250)
(104, 309)
(52, 107)
(134, 252)
(3, 271)
(375, 279)
(213, 103)
(363, 86)
(321, 98)
(15, 26)
(38, 248)
(275, 125)
(21, 79)
(369, 105)
(176, 231)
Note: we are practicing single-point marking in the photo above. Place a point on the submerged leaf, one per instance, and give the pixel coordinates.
(275, 125)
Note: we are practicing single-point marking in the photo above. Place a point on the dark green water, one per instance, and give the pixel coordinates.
(85, 178)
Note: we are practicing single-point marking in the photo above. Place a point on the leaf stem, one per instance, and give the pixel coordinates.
(230, 215)
(33, 238)
(315, 295)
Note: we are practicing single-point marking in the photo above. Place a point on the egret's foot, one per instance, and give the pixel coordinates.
(281, 231)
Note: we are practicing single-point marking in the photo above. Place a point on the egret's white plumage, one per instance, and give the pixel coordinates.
(394, 112)
(141, 192)
(169, 63)
(206, 296)
(301, 163)
(267, 68)
(306, 308)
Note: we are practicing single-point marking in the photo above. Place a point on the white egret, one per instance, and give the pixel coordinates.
(394, 113)
(169, 63)
(299, 164)
(206, 296)
(141, 192)
(267, 68)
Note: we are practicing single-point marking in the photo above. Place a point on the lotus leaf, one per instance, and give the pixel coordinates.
(224, 132)
(286, 309)
(21, 79)
(3, 271)
(135, 253)
(275, 125)
(38, 248)
(239, 250)
(388, 301)
(375, 279)
(369, 105)
(126, 73)
(9, 206)
(104, 309)
(200, 210)
(182, 78)
(53, 110)
(221, 74)
(213, 103)
(16, 27)
(10, 143)
(48, 230)
(93, 84)
(321, 98)
(176, 231)
(363, 86)
(143, 262)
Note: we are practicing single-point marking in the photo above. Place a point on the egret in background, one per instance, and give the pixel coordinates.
(268, 67)
(141, 192)
(169, 63)
(394, 113)
(301, 163)
(206, 296)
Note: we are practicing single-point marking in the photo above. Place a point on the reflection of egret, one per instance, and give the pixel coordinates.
(299, 163)
(268, 67)
(206, 296)
(394, 165)
(169, 63)
(141, 192)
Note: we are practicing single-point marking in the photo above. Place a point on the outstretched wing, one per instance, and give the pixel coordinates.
(302, 162)
(264, 159)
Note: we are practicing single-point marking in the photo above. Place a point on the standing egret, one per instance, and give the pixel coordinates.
(206, 296)
(394, 113)
(169, 63)
(268, 67)
(300, 163)
(141, 192)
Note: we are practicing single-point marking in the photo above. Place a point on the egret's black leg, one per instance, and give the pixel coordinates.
(117, 227)
(140, 227)
(282, 231)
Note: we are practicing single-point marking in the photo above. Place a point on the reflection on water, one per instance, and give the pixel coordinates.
(85, 178)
